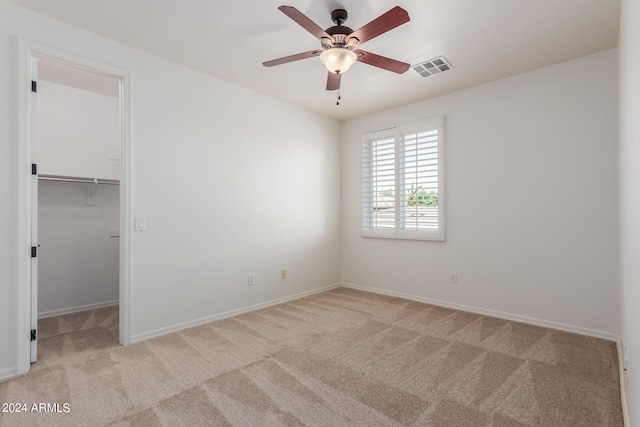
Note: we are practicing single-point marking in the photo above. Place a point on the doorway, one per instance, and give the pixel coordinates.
(77, 151)
(64, 178)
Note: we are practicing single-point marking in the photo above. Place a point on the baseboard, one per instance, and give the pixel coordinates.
(77, 309)
(623, 383)
(8, 373)
(499, 314)
(226, 314)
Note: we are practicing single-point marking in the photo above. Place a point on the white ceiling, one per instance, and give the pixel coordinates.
(483, 40)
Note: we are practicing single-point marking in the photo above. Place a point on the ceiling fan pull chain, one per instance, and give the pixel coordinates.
(338, 101)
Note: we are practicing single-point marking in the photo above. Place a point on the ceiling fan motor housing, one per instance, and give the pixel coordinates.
(339, 38)
(339, 33)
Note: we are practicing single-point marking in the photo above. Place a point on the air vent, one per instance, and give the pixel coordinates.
(432, 66)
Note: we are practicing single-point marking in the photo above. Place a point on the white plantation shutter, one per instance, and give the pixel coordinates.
(419, 175)
(403, 182)
(379, 180)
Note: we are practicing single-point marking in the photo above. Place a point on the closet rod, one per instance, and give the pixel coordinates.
(77, 179)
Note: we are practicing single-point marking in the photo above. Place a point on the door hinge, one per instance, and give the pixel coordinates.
(33, 335)
(34, 169)
(34, 86)
(34, 252)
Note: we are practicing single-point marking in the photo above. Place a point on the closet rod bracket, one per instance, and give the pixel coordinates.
(91, 192)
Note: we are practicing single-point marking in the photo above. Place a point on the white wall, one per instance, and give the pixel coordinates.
(78, 257)
(78, 132)
(231, 183)
(532, 200)
(630, 202)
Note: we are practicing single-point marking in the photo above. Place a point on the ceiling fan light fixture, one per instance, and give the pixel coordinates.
(338, 59)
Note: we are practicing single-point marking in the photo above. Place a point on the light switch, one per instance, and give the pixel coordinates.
(141, 223)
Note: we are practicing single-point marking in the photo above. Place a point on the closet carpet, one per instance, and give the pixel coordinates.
(338, 358)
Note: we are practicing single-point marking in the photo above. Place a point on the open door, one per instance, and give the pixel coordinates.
(28, 173)
(34, 211)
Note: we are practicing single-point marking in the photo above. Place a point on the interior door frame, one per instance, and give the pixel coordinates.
(33, 126)
(26, 50)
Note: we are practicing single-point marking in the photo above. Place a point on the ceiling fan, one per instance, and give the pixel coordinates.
(339, 43)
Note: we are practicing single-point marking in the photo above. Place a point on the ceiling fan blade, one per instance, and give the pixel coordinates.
(333, 81)
(303, 21)
(381, 61)
(291, 58)
(383, 23)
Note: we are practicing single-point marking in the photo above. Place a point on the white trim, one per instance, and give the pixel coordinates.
(23, 261)
(76, 309)
(33, 184)
(623, 385)
(230, 313)
(7, 373)
(26, 49)
(126, 209)
(391, 132)
(499, 314)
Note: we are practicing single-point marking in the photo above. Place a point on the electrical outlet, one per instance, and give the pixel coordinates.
(453, 277)
(251, 280)
(283, 274)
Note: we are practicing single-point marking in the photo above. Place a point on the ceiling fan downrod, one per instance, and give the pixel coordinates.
(339, 16)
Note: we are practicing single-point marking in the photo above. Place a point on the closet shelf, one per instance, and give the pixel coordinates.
(78, 179)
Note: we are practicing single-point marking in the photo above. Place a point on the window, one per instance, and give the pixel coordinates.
(403, 182)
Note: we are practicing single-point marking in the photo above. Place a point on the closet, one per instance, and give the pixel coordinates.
(78, 170)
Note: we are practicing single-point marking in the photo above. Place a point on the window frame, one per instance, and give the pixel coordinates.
(366, 191)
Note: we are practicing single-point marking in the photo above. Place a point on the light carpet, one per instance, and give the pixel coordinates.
(338, 358)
